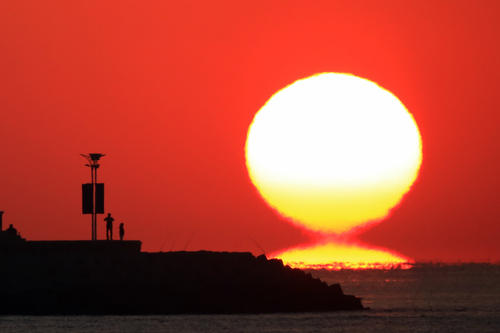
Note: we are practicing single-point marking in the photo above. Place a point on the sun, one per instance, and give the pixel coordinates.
(335, 255)
(333, 151)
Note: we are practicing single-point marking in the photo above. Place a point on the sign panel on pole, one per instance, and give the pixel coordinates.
(99, 198)
(87, 202)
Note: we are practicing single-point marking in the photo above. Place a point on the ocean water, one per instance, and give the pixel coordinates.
(427, 298)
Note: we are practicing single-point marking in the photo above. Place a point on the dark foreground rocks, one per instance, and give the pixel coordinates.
(115, 279)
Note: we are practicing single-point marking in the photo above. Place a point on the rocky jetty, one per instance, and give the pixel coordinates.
(114, 277)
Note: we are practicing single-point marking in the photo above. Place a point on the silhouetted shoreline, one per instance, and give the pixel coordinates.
(114, 277)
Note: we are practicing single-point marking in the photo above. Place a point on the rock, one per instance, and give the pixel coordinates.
(113, 277)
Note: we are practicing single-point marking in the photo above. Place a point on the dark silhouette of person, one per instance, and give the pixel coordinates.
(11, 231)
(109, 226)
(122, 231)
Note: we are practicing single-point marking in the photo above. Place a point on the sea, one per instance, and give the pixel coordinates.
(426, 298)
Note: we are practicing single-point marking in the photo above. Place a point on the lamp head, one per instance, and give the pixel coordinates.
(96, 156)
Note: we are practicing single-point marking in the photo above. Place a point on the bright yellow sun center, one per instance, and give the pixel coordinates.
(333, 151)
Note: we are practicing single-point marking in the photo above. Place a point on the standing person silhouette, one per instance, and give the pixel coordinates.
(109, 227)
(122, 231)
(11, 231)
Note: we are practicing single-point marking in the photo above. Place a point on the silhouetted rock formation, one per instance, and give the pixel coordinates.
(113, 277)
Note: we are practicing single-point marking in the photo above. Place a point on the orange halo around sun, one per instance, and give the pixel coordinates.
(333, 151)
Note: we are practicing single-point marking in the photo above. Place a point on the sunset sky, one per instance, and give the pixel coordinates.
(168, 89)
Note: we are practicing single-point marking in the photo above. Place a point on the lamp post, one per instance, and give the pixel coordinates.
(93, 164)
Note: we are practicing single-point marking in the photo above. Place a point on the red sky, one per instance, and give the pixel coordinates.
(168, 89)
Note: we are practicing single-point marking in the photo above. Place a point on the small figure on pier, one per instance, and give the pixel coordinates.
(122, 231)
(109, 226)
(12, 232)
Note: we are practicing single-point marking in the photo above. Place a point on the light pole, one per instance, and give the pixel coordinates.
(93, 164)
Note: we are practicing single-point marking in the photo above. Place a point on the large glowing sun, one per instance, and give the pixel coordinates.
(333, 151)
